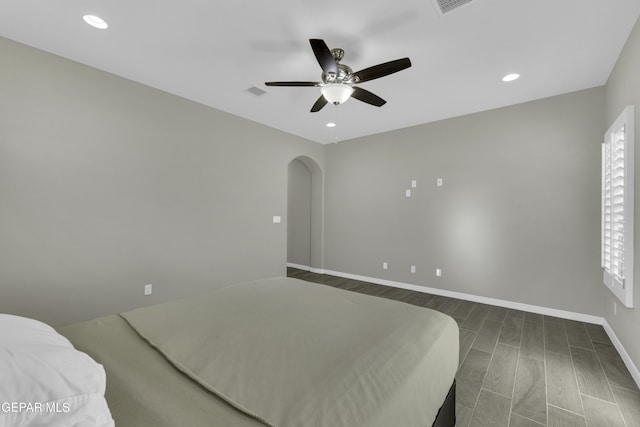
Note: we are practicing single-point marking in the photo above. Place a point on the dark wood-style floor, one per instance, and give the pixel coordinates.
(523, 369)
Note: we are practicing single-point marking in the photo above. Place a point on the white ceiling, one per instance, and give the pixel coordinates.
(212, 51)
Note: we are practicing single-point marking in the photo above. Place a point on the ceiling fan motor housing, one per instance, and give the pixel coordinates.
(345, 73)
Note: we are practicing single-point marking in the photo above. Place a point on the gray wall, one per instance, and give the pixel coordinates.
(623, 88)
(299, 214)
(518, 217)
(106, 185)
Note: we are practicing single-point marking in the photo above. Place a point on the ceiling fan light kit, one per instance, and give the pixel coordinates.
(338, 79)
(336, 93)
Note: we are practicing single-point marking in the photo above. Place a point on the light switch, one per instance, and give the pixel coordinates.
(277, 219)
(407, 193)
(439, 182)
(414, 183)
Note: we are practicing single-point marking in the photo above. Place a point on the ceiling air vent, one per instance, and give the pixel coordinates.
(256, 91)
(449, 5)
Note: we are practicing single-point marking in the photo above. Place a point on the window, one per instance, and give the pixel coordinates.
(617, 207)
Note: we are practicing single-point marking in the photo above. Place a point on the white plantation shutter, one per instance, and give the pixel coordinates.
(617, 207)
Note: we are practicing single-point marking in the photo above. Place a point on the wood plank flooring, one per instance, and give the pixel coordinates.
(520, 369)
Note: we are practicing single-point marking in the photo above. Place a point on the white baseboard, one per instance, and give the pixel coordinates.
(633, 369)
(299, 266)
(475, 298)
(305, 268)
(587, 318)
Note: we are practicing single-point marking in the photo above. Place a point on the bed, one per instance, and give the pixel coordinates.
(277, 352)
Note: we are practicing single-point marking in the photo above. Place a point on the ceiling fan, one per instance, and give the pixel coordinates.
(338, 80)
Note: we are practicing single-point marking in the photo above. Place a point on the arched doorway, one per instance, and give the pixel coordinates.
(304, 213)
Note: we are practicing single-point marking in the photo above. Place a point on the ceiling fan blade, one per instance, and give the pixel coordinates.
(324, 56)
(368, 97)
(292, 83)
(382, 70)
(321, 102)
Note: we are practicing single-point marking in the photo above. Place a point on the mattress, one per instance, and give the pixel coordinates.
(276, 352)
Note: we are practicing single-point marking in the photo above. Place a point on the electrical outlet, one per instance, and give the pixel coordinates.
(407, 193)
(413, 268)
(438, 272)
(414, 183)
(385, 266)
(148, 289)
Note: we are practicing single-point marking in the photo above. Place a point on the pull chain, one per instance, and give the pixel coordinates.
(335, 131)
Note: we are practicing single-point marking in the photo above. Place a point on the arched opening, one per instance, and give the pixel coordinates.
(304, 214)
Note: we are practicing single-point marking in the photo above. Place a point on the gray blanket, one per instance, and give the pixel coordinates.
(291, 353)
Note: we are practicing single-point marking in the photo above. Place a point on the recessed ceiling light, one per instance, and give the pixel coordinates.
(510, 77)
(331, 125)
(95, 21)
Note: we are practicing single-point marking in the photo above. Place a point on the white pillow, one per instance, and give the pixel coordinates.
(44, 381)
